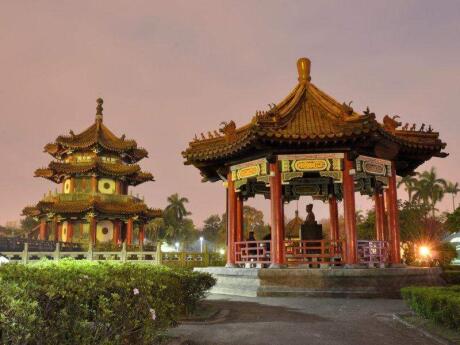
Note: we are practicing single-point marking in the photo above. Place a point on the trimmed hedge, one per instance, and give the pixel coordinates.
(440, 304)
(451, 274)
(79, 302)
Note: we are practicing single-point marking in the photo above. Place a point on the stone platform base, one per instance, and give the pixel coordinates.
(335, 282)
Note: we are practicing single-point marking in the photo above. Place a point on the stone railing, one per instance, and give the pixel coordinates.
(124, 254)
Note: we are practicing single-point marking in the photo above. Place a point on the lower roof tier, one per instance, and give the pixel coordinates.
(93, 205)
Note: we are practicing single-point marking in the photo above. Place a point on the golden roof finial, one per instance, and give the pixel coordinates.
(303, 67)
(99, 109)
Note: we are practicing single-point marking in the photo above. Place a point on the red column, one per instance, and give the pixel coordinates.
(69, 231)
(334, 219)
(239, 219)
(379, 215)
(129, 231)
(116, 231)
(72, 185)
(277, 213)
(92, 230)
(393, 218)
(231, 224)
(42, 229)
(93, 184)
(349, 213)
(141, 234)
(56, 230)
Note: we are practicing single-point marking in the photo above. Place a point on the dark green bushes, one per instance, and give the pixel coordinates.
(440, 304)
(451, 274)
(80, 302)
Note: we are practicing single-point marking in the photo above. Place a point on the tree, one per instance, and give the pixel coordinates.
(453, 189)
(452, 223)
(366, 226)
(254, 221)
(214, 230)
(429, 189)
(409, 183)
(176, 206)
(176, 227)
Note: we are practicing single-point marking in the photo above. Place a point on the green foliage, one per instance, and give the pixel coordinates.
(176, 227)
(214, 230)
(452, 223)
(366, 226)
(440, 304)
(29, 223)
(80, 302)
(451, 274)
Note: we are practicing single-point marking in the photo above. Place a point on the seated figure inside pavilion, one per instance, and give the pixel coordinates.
(309, 144)
(95, 169)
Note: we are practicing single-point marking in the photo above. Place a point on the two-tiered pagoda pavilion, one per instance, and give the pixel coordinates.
(95, 169)
(310, 144)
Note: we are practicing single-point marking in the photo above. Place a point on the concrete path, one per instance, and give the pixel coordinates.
(301, 321)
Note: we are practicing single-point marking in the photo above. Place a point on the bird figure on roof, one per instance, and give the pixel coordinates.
(195, 138)
(413, 127)
(422, 128)
(210, 136)
(368, 112)
(347, 108)
(430, 129)
(72, 134)
(216, 134)
(406, 126)
(203, 137)
(123, 137)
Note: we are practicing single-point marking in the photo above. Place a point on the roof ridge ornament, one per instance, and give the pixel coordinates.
(99, 109)
(303, 68)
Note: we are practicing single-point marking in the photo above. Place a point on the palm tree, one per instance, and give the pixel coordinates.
(429, 188)
(453, 189)
(409, 185)
(176, 206)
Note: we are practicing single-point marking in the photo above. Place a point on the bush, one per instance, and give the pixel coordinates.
(81, 302)
(451, 274)
(440, 304)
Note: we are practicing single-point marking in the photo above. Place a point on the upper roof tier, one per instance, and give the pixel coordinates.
(308, 120)
(97, 135)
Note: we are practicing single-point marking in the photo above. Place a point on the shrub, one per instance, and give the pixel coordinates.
(451, 274)
(81, 302)
(440, 304)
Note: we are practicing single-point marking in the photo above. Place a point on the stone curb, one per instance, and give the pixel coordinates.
(424, 332)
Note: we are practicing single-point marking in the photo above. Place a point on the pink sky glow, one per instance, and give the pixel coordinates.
(170, 69)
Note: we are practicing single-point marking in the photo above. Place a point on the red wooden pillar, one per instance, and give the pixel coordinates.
(141, 234)
(379, 215)
(56, 230)
(277, 213)
(129, 231)
(239, 219)
(42, 235)
(69, 231)
(349, 213)
(93, 184)
(116, 231)
(232, 220)
(333, 219)
(393, 218)
(93, 230)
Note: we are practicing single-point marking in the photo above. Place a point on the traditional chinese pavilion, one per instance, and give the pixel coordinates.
(311, 145)
(95, 169)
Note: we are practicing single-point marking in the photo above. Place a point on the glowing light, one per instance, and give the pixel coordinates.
(222, 251)
(424, 251)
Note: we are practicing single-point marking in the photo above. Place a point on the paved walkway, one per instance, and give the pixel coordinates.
(301, 321)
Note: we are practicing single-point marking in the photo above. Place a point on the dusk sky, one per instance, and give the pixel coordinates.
(169, 69)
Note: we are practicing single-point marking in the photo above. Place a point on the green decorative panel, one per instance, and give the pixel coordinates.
(254, 170)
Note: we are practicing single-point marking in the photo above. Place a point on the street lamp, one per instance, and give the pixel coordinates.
(177, 246)
(201, 244)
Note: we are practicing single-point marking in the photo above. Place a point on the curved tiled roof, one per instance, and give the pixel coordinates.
(58, 207)
(56, 171)
(306, 118)
(97, 135)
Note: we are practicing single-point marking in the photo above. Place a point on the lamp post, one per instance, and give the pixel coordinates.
(201, 244)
